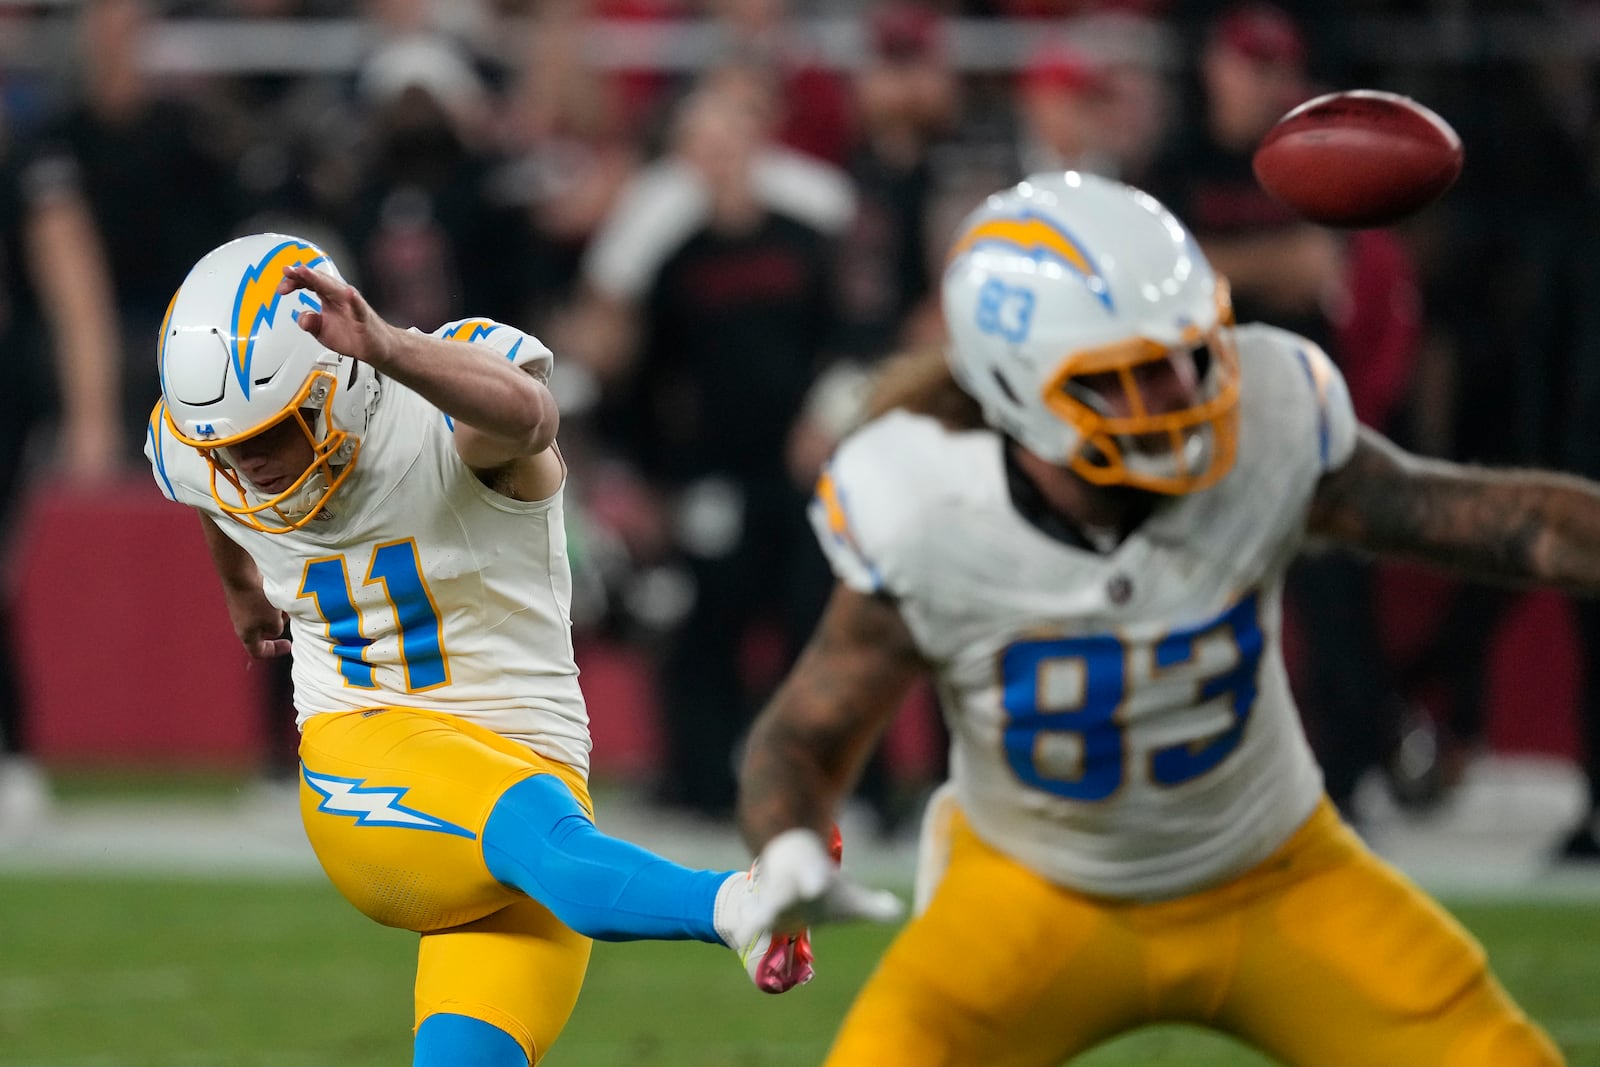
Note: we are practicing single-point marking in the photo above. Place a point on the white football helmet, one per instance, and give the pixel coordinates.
(234, 362)
(1086, 322)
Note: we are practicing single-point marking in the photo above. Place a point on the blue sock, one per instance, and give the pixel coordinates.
(540, 841)
(462, 1041)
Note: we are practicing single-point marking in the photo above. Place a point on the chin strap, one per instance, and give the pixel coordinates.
(374, 390)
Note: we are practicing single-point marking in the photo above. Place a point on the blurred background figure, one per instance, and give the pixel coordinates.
(431, 237)
(24, 790)
(1061, 99)
(720, 261)
(1251, 69)
(1135, 112)
(293, 137)
(94, 224)
(907, 103)
(120, 189)
(810, 102)
(1521, 354)
(572, 136)
(1575, 325)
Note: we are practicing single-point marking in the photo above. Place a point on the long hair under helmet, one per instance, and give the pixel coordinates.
(234, 362)
(1062, 295)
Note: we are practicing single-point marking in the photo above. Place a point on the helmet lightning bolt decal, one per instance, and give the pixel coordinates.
(256, 301)
(374, 805)
(1037, 238)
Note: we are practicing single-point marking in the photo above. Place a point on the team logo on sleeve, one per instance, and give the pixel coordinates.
(469, 330)
(256, 302)
(1037, 238)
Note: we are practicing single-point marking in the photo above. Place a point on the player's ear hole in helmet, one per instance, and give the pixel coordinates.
(1088, 325)
(278, 417)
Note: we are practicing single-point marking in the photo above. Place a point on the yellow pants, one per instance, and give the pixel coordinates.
(394, 801)
(1322, 956)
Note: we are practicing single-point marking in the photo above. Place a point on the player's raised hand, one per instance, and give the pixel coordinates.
(343, 320)
(799, 885)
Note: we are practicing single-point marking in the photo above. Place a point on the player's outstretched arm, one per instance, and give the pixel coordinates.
(807, 749)
(502, 412)
(809, 744)
(1517, 526)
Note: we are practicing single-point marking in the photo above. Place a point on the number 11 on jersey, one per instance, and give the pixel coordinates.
(395, 566)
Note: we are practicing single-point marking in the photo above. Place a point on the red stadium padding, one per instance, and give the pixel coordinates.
(128, 655)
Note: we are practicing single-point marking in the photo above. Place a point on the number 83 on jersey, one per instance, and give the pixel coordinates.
(1076, 705)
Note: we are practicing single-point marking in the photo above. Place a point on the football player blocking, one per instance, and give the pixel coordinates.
(1077, 521)
(398, 496)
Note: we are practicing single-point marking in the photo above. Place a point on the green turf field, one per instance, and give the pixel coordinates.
(141, 973)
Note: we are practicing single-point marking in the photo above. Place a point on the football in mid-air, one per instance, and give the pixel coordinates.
(1358, 158)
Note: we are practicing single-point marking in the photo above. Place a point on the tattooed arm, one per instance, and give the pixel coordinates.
(1510, 526)
(808, 746)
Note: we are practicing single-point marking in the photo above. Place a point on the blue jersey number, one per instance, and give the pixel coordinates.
(1100, 663)
(397, 567)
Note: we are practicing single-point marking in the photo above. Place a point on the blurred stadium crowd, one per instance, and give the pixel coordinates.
(721, 214)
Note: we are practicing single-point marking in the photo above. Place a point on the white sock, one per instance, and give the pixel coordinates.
(733, 896)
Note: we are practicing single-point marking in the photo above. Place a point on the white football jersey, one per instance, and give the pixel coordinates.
(423, 588)
(1120, 723)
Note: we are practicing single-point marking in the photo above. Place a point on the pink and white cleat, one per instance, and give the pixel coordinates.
(777, 963)
(785, 964)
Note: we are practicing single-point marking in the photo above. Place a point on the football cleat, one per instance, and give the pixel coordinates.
(776, 963)
(787, 960)
(785, 963)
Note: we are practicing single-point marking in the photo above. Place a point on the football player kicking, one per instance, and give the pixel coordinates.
(1078, 522)
(398, 495)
